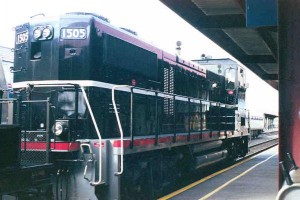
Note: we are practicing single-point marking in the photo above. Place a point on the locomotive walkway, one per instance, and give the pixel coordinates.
(254, 178)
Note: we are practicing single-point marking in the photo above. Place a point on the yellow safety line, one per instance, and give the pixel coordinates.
(234, 179)
(202, 180)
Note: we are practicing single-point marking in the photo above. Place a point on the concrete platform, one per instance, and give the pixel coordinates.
(255, 178)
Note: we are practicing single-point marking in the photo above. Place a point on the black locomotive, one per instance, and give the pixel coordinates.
(117, 115)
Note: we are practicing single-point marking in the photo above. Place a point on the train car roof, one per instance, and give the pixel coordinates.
(127, 36)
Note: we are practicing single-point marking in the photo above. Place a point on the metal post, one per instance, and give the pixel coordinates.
(29, 113)
(76, 110)
(174, 119)
(131, 118)
(201, 121)
(189, 120)
(18, 117)
(26, 125)
(48, 130)
(210, 130)
(226, 120)
(1, 96)
(219, 119)
(156, 118)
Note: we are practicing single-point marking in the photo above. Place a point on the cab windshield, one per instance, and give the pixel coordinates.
(230, 78)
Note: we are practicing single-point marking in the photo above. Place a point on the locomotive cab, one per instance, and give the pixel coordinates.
(235, 77)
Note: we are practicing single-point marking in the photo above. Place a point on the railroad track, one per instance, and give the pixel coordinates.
(257, 148)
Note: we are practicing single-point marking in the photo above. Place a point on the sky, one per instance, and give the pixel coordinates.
(153, 22)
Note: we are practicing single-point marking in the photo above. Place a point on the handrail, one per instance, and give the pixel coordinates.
(91, 160)
(99, 136)
(8, 99)
(109, 86)
(148, 92)
(119, 125)
(47, 128)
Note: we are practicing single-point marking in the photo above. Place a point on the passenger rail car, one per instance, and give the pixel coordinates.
(118, 117)
(256, 126)
(259, 124)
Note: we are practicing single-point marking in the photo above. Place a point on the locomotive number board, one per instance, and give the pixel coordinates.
(22, 37)
(73, 33)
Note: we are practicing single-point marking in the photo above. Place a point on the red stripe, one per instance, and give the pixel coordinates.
(144, 142)
(166, 139)
(206, 135)
(151, 141)
(33, 145)
(57, 146)
(195, 136)
(181, 138)
(117, 143)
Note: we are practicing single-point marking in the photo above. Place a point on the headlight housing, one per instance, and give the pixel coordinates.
(43, 32)
(61, 128)
(58, 128)
(37, 33)
(47, 33)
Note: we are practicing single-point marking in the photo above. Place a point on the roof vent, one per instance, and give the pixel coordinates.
(129, 31)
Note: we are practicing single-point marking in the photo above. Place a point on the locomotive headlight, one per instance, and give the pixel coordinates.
(37, 33)
(60, 127)
(43, 32)
(47, 33)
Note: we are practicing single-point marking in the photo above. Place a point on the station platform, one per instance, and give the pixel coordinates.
(255, 178)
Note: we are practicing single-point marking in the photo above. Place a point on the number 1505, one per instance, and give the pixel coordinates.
(73, 33)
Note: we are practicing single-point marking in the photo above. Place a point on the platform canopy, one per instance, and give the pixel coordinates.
(247, 29)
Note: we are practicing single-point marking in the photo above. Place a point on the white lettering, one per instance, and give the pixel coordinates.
(73, 33)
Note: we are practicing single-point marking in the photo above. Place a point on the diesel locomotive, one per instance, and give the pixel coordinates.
(118, 117)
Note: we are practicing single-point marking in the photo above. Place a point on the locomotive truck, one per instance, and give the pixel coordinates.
(118, 117)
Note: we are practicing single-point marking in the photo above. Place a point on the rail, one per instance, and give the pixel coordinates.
(119, 123)
(82, 145)
(74, 84)
(16, 119)
(94, 183)
(47, 130)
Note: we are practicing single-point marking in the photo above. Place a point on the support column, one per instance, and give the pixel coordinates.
(289, 79)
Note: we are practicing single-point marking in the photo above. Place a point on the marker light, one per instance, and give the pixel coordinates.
(230, 92)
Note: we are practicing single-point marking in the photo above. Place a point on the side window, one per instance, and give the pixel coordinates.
(242, 78)
(243, 121)
(230, 78)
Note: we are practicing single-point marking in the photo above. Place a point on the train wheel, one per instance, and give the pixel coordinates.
(243, 146)
(232, 150)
